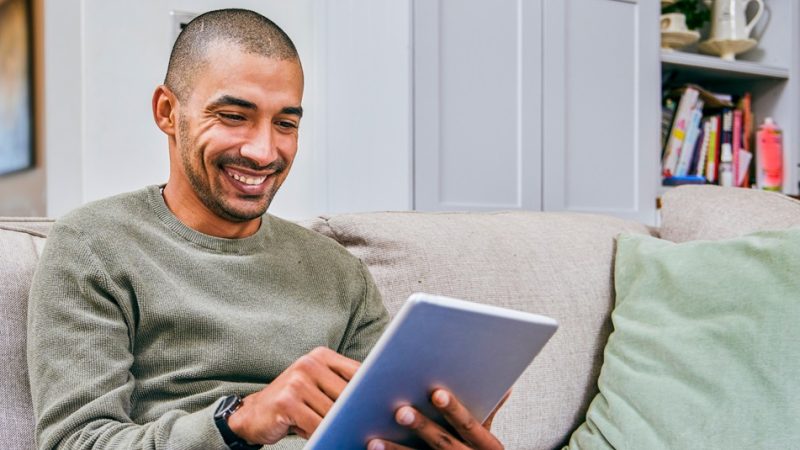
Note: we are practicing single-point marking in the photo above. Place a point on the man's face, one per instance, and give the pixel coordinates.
(237, 130)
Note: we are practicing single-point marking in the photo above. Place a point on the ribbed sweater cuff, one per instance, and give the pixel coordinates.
(198, 430)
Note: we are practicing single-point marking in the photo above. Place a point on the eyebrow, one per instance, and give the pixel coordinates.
(295, 110)
(229, 100)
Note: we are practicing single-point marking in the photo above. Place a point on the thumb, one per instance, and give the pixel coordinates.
(488, 422)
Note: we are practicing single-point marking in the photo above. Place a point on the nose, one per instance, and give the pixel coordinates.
(260, 148)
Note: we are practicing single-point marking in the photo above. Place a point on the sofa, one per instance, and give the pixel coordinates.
(552, 263)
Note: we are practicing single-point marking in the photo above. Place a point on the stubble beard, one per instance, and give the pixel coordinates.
(214, 198)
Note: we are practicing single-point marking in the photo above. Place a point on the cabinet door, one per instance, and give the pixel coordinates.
(477, 104)
(601, 107)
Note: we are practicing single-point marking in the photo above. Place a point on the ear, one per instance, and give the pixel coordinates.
(165, 107)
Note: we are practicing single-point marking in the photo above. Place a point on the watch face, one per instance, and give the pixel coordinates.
(228, 406)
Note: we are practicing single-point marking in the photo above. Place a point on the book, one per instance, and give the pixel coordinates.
(690, 142)
(725, 150)
(698, 148)
(677, 134)
(745, 104)
(743, 172)
(699, 166)
(712, 160)
(736, 145)
(680, 181)
(667, 115)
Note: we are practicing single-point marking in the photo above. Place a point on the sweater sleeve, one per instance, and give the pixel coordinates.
(369, 321)
(80, 334)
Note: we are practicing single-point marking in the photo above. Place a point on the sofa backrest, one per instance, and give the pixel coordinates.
(711, 212)
(555, 264)
(21, 242)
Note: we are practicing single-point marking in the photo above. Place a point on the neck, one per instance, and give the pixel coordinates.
(182, 200)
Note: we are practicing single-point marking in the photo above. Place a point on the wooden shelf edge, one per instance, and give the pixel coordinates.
(713, 63)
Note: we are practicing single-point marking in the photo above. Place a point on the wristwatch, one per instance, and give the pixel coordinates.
(228, 406)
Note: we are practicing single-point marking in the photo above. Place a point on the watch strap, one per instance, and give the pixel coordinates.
(228, 406)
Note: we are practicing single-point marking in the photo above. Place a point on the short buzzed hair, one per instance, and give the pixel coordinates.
(248, 30)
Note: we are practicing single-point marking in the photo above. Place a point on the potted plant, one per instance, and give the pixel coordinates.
(697, 12)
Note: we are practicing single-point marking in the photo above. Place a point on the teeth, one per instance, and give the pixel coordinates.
(248, 180)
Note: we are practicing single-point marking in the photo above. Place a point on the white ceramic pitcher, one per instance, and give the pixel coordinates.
(728, 21)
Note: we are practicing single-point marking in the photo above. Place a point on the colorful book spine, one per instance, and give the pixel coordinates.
(699, 167)
(698, 148)
(712, 161)
(736, 145)
(726, 151)
(689, 144)
(679, 126)
(667, 116)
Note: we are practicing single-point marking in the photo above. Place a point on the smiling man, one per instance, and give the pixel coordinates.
(183, 316)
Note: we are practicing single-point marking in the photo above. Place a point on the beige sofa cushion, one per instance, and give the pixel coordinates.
(555, 264)
(710, 212)
(20, 246)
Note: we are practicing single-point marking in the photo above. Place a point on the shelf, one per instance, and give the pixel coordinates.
(704, 67)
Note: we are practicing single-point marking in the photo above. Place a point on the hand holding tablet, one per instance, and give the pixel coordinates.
(471, 352)
(469, 430)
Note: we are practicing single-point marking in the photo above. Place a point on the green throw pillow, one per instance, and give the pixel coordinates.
(705, 352)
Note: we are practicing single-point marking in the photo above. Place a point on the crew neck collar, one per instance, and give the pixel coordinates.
(249, 244)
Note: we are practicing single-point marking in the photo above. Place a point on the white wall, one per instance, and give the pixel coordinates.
(104, 58)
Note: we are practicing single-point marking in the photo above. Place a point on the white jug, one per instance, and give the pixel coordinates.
(728, 21)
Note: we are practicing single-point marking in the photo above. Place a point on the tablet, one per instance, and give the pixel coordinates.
(476, 351)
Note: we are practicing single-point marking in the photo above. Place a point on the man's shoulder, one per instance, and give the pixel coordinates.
(310, 241)
(111, 214)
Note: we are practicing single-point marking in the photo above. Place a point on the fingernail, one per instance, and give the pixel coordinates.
(405, 417)
(441, 399)
(376, 445)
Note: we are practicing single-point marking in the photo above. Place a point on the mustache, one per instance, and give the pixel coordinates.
(277, 166)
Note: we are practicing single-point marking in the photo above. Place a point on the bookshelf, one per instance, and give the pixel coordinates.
(694, 66)
(770, 72)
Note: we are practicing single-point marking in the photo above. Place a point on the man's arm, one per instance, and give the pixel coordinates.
(300, 397)
(79, 359)
(368, 322)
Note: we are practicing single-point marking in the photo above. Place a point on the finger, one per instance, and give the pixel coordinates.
(330, 382)
(318, 401)
(488, 422)
(378, 444)
(306, 421)
(319, 367)
(340, 364)
(427, 429)
(465, 424)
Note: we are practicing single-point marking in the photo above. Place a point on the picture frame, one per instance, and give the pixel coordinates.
(16, 87)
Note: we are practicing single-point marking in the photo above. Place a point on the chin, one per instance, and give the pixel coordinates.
(244, 213)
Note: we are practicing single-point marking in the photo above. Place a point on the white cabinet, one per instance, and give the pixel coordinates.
(601, 114)
(536, 104)
(477, 104)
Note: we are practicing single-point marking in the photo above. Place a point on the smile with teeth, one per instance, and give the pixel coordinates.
(252, 181)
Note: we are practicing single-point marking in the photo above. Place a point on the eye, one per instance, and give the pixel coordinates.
(236, 118)
(286, 124)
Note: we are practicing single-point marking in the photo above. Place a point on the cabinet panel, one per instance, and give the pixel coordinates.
(365, 50)
(601, 83)
(477, 104)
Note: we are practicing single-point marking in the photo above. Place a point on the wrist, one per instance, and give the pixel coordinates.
(231, 427)
(237, 422)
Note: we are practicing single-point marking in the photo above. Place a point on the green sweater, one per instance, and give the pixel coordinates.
(139, 325)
